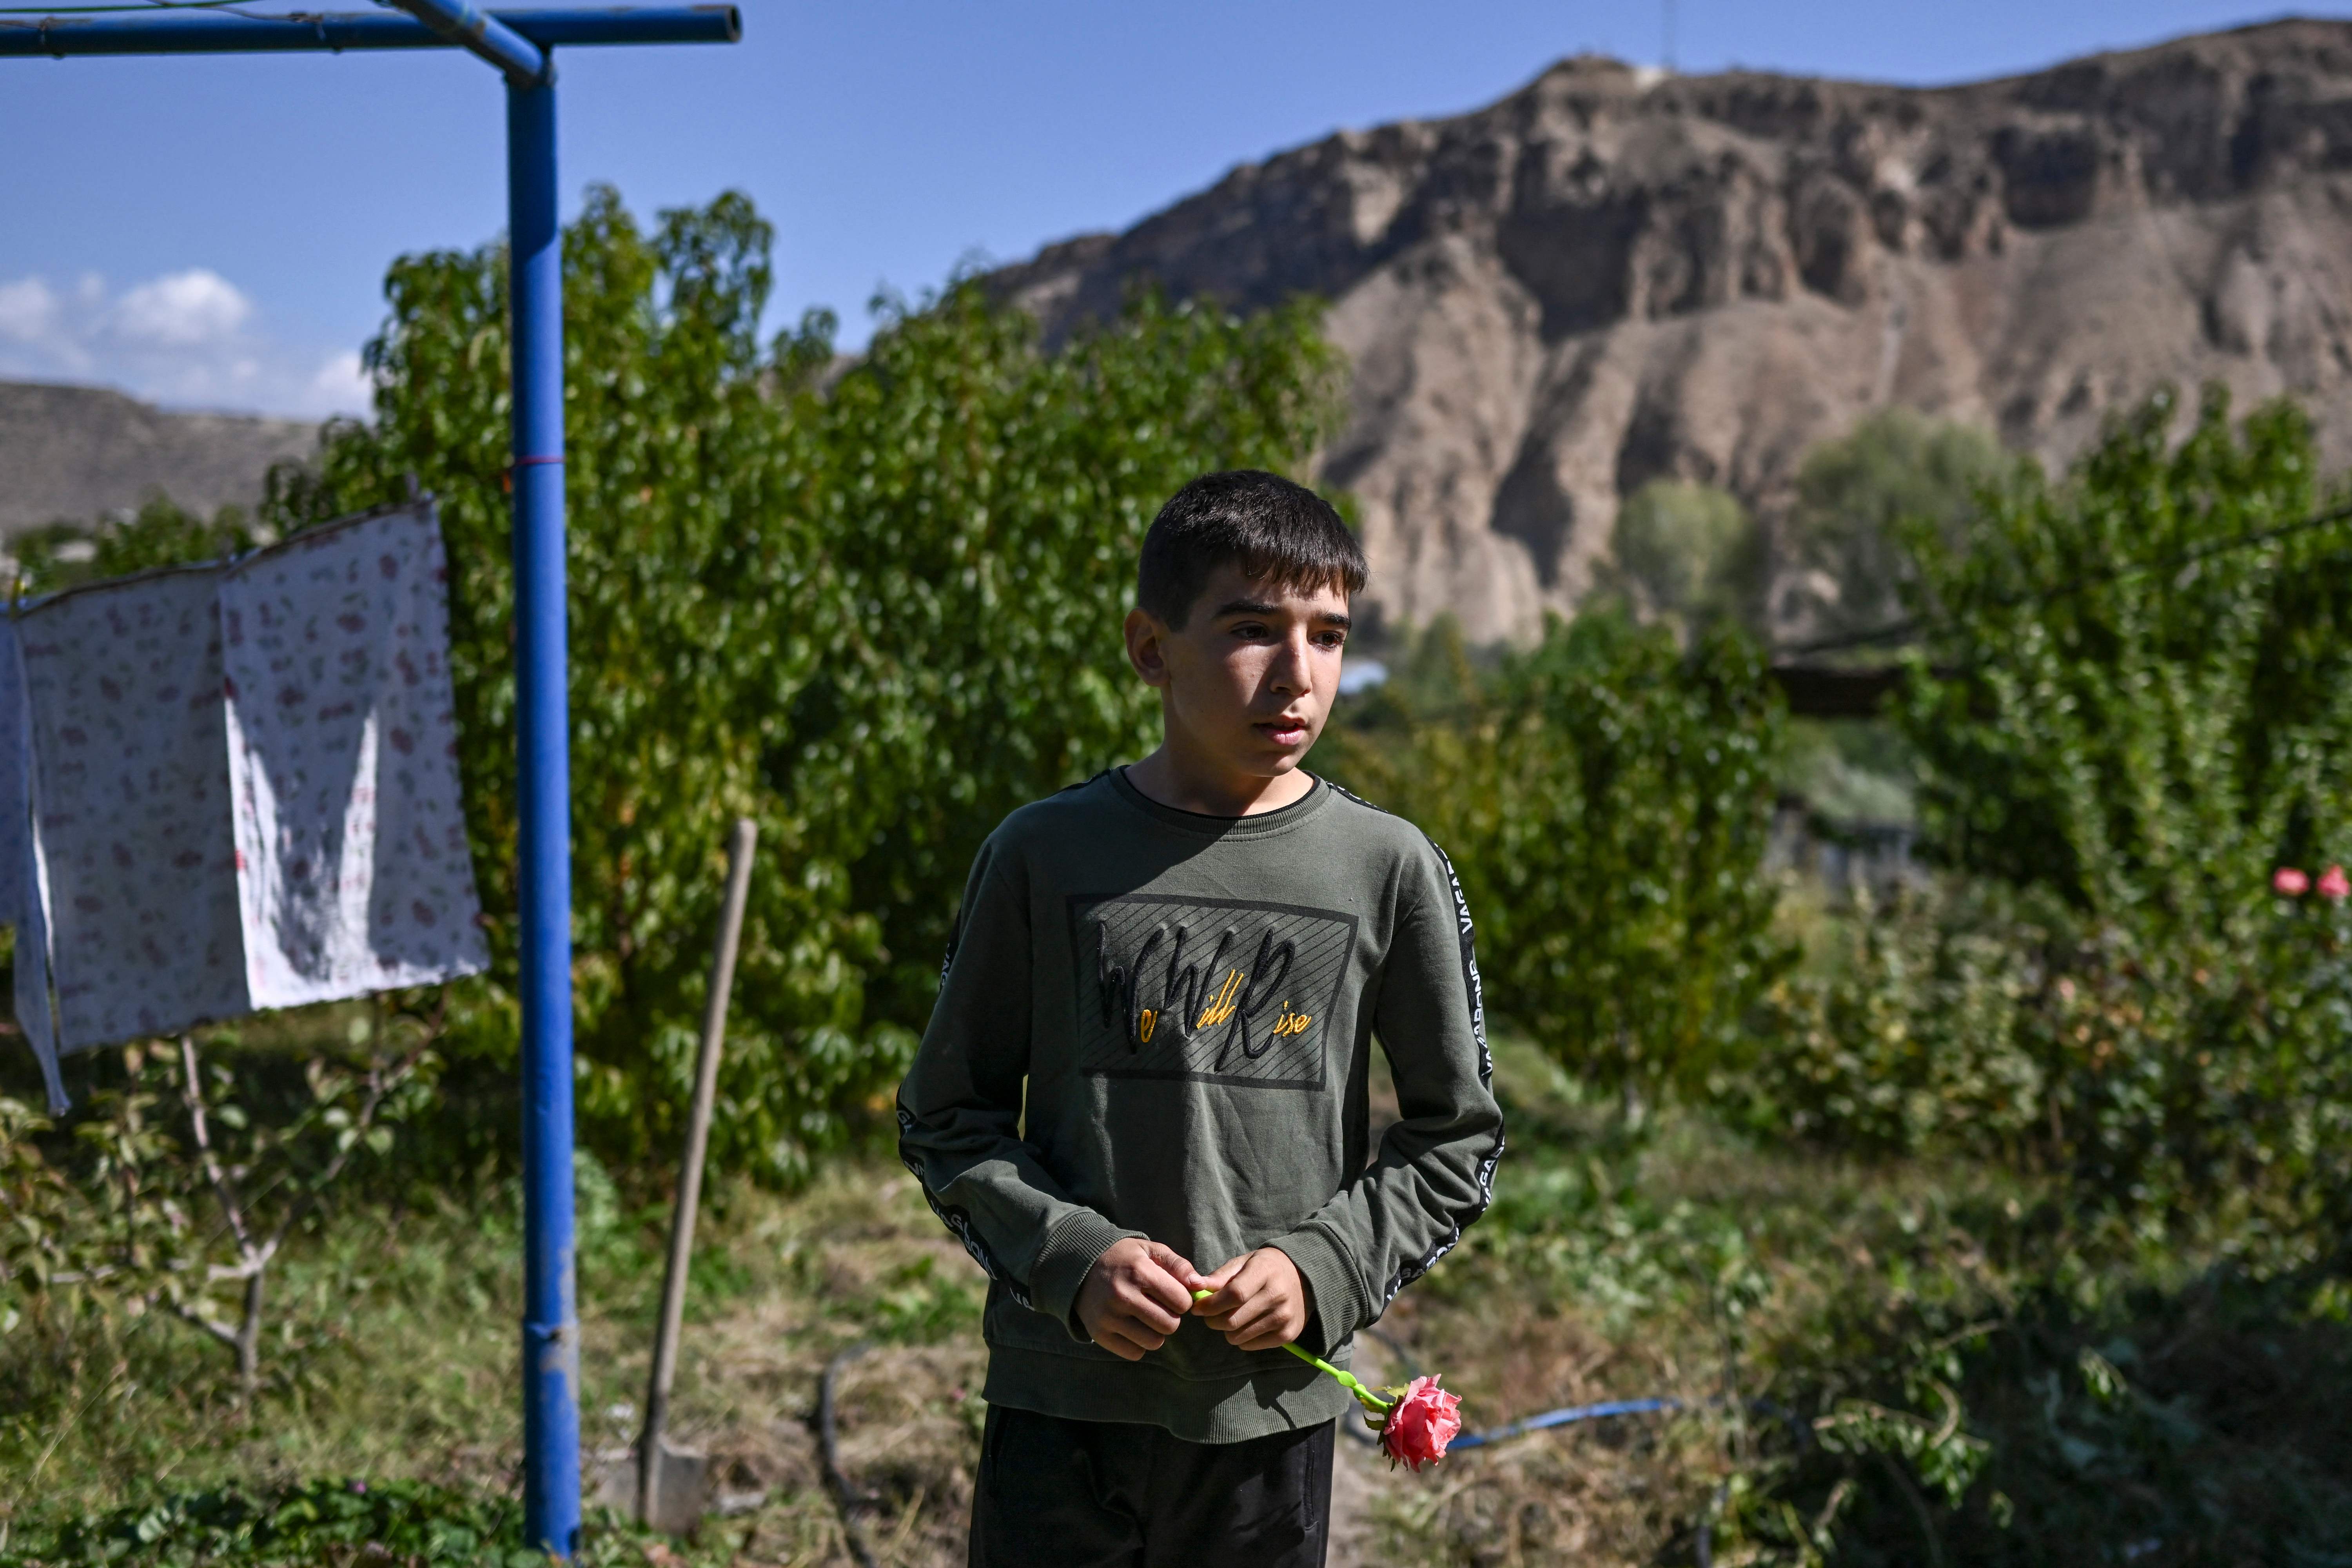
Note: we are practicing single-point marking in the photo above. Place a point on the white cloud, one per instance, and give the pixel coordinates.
(344, 386)
(182, 309)
(190, 338)
(28, 310)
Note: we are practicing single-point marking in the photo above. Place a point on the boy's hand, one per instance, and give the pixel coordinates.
(1133, 1295)
(1260, 1302)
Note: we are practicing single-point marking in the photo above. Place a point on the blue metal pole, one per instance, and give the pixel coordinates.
(551, 1329)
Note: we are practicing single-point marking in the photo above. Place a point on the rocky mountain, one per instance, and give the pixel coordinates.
(77, 453)
(1612, 275)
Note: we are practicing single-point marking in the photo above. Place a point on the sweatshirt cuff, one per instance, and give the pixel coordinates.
(1071, 1249)
(1330, 1280)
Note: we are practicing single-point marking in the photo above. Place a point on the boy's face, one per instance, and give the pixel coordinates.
(1247, 684)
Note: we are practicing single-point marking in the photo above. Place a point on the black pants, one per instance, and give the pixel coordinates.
(1053, 1493)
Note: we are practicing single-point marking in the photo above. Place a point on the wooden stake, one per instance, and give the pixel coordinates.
(652, 1506)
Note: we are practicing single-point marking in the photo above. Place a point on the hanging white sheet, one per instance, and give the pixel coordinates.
(240, 783)
(342, 743)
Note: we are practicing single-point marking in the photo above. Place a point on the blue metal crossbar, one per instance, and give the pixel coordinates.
(212, 33)
(464, 25)
(521, 44)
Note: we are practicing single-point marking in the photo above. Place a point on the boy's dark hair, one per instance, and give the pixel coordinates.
(1277, 532)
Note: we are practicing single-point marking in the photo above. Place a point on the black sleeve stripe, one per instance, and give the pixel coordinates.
(1469, 968)
(957, 1220)
(1494, 1156)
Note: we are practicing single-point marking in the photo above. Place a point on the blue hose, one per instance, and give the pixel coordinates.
(1574, 1413)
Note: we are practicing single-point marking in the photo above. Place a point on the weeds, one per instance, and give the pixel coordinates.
(1900, 1361)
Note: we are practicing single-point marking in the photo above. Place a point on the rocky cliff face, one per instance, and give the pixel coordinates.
(1610, 276)
(77, 453)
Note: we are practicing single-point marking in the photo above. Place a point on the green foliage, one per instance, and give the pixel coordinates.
(161, 533)
(1587, 1231)
(918, 1304)
(984, 504)
(1686, 553)
(1850, 773)
(329, 1523)
(1606, 800)
(1912, 1033)
(35, 1201)
(1859, 499)
(320, 1521)
(130, 1215)
(1817, 1321)
(2146, 718)
(2197, 1422)
(874, 613)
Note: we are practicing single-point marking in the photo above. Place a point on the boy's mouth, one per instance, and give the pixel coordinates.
(1283, 732)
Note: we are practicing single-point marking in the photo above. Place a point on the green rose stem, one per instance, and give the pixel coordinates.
(1371, 1402)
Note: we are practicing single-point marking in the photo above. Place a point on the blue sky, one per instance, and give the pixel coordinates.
(212, 232)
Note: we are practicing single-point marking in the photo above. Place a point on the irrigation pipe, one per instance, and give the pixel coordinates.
(1551, 1418)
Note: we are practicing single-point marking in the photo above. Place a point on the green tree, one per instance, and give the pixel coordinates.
(1687, 554)
(1606, 799)
(874, 611)
(1858, 496)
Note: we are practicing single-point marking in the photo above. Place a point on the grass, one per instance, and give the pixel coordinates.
(2117, 1401)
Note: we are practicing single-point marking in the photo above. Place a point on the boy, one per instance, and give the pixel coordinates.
(1150, 1052)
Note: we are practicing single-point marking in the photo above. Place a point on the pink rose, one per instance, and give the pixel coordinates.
(1420, 1424)
(2289, 883)
(2334, 885)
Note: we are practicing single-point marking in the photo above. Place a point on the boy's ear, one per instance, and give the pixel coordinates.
(1147, 647)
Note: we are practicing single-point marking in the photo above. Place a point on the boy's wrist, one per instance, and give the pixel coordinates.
(1326, 1276)
(1072, 1248)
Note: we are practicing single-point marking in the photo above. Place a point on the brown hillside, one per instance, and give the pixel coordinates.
(1608, 276)
(76, 453)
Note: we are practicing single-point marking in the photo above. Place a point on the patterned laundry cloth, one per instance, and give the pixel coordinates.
(245, 785)
(130, 769)
(21, 904)
(342, 753)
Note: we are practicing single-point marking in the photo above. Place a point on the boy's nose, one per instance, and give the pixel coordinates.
(1292, 671)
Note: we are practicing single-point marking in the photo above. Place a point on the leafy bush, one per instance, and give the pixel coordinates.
(1914, 1032)
(873, 605)
(177, 1189)
(160, 533)
(2149, 712)
(1606, 800)
(321, 1522)
(331, 1523)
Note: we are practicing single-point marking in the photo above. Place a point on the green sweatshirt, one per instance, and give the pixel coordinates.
(1190, 1002)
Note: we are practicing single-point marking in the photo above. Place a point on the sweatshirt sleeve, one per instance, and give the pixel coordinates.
(1434, 1173)
(960, 1110)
